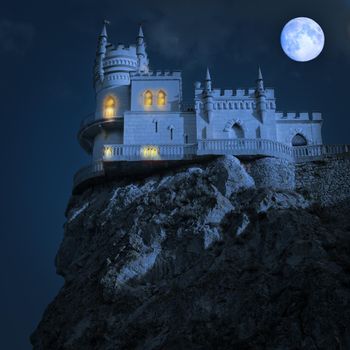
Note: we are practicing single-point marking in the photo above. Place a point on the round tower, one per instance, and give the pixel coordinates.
(112, 69)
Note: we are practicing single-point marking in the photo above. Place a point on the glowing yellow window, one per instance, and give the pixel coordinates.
(150, 152)
(148, 98)
(109, 107)
(161, 98)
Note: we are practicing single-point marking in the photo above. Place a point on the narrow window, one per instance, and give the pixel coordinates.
(186, 138)
(161, 98)
(156, 126)
(148, 98)
(171, 134)
(109, 107)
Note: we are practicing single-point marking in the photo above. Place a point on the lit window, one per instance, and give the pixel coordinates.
(148, 98)
(161, 98)
(109, 107)
(150, 152)
(107, 152)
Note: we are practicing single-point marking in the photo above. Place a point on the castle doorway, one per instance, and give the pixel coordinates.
(299, 140)
(236, 132)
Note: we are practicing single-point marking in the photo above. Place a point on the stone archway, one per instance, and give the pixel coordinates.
(236, 132)
(235, 129)
(299, 140)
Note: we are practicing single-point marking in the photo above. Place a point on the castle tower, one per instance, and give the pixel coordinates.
(208, 97)
(260, 96)
(100, 54)
(114, 66)
(141, 53)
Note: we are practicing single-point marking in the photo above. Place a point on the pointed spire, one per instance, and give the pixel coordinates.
(104, 30)
(207, 85)
(207, 77)
(141, 52)
(260, 77)
(140, 32)
(260, 83)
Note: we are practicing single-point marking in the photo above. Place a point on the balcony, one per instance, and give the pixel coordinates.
(90, 127)
(317, 152)
(149, 152)
(192, 152)
(245, 147)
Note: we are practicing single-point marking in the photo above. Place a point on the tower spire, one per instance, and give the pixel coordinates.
(260, 95)
(260, 82)
(207, 84)
(100, 53)
(140, 32)
(141, 52)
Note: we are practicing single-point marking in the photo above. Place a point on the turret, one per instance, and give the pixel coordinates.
(207, 84)
(208, 97)
(260, 95)
(141, 52)
(101, 53)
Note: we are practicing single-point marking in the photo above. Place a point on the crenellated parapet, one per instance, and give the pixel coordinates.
(298, 116)
(114, 63)
(157, 73)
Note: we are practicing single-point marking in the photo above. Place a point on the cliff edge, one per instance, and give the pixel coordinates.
(201, 258)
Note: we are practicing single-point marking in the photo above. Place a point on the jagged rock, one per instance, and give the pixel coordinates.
(200, 259)
(229, 176)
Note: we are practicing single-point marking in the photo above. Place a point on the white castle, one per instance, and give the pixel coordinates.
(140, 115)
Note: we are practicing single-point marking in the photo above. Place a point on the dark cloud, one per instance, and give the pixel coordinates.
(15, 37)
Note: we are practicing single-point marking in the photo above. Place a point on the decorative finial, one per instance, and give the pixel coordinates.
(140, 31)
(104, 30)
(260, 77)
(208, 75)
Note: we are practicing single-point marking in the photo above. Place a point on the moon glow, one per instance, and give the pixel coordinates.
(302, 39)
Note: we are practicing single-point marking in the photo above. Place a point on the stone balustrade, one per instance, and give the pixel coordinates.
(148, 152)
(237, 147)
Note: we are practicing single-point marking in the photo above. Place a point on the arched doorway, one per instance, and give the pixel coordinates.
(236, 132)
(299, 140)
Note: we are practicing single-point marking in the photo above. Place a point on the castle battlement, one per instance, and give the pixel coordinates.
(157, 73)
(314, 116)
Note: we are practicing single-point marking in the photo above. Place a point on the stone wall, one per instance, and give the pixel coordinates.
(326, 181)
(272, 173)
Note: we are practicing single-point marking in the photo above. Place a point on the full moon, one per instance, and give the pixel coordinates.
(302, 39)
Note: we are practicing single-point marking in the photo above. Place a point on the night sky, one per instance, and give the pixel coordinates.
(47, 51)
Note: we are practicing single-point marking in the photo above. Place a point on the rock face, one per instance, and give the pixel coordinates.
(200, 259)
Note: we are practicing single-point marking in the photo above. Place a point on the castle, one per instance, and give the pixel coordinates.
(140, 116)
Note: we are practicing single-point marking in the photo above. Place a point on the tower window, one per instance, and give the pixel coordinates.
(161, 98)
(148, 98)
(109, 107)
(171, 134)
(156, 126)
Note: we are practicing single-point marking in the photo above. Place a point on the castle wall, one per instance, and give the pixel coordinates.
(272, 173)
(169, 83)
(327, 181)
(308, 125)
(155, 128)
(222, 121)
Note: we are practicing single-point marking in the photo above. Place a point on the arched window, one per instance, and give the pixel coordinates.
(109, 107)
(161, 98)
(299, 140)
(148, 98)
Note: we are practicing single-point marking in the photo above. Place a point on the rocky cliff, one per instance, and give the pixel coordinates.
(200, 258)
